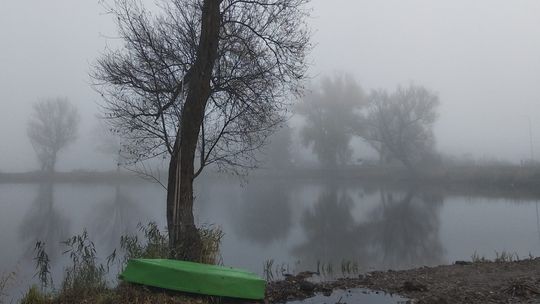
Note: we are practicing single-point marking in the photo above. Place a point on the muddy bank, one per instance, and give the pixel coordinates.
(463, 282)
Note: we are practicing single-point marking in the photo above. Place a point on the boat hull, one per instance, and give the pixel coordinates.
(195, 278)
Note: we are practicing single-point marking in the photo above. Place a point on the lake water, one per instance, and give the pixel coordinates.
(353, 296)
(294, 225)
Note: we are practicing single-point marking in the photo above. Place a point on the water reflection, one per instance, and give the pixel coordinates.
(116, 217)
(264, 214)
(43, 222)
(400, 231)
(404, 230)
(330, 229)
(288, 221)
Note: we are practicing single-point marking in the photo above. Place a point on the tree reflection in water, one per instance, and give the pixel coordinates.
(401, 231)
(115, 218)
(264, 215)
(404, 230)
(330, 229)
(43, 222)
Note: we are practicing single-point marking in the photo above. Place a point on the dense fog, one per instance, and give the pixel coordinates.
(384, 145)
(481, 58)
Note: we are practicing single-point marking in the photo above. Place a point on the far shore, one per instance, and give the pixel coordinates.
(504, 180)
(67, 177)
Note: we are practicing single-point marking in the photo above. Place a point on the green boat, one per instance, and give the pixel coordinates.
(195, 278)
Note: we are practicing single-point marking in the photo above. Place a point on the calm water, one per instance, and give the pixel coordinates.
(297, 224)
(353, 296)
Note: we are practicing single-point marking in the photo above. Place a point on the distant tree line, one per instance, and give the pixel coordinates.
(398, 125)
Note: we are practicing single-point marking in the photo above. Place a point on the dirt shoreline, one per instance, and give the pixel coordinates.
(463, 282)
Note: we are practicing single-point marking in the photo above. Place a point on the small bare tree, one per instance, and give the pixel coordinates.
(52, 127)
(400, 125)
(203, 82)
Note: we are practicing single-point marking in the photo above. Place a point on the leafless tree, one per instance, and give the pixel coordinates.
(202, 82)
(400, 125)
(52, 126)
(331, 111)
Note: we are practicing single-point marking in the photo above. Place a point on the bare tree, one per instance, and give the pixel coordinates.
(400, 125)
(203, 81)
(331, 112)
(52, 127)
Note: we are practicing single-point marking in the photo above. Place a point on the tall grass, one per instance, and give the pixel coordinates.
(43, 267)
(35, 296)
(86, 275)
(211, 237)
(500, 257)
(268, 270)
(155, 244)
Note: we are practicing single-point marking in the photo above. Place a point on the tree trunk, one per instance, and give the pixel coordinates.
(184, 238)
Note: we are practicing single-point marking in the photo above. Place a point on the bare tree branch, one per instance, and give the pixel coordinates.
(260, 64)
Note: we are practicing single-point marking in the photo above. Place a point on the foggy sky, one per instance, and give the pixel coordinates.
(482, 57)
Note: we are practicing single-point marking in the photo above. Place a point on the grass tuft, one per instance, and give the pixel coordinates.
(35, 296)
(506, 257)
(155, 244)
(476, 258)
(267, 270)
(85, 275)
(500, 257)
(211, 237)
